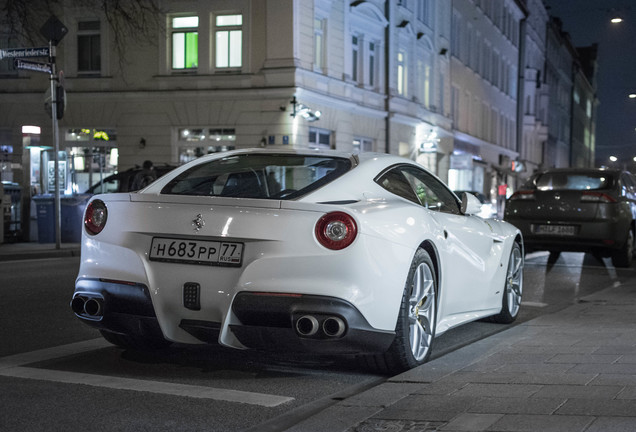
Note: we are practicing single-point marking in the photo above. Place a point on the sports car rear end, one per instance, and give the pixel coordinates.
(200, 261)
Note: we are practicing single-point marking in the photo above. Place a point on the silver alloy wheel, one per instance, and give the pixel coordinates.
(422, 311)
(514, 281)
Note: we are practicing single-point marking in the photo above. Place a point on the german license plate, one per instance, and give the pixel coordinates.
(566, 230)
(196, 252)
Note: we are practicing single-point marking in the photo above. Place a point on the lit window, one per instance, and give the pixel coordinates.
(402, 73)
(319, 44)
(185, 42)
(362, 144)
(372, 64)
(229, 41)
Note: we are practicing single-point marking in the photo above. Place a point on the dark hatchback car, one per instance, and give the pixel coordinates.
(577, 210)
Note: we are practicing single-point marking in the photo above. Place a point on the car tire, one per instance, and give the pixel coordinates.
(513, 289)
(415, 327)
(134, 343)
(624, 256)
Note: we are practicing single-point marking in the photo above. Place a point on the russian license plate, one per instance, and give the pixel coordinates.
(566, 230)
(196, 252)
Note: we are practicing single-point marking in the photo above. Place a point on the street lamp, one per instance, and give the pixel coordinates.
(616, 20)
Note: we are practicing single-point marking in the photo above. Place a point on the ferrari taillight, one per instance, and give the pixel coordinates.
(336, 230)
(95, 217)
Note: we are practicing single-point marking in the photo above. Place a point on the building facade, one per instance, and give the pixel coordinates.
(560, 56)
(437, 81)
(485, 48)
(536, 96)
(584, 106)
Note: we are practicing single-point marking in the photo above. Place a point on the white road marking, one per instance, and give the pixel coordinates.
(13, 366)
(534, 304)
(52, 353)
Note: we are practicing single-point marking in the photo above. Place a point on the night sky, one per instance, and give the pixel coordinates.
(588, 22)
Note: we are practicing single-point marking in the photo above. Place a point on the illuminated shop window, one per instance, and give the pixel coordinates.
(196, 142)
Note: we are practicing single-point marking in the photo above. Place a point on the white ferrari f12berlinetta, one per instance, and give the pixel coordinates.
(313, 251)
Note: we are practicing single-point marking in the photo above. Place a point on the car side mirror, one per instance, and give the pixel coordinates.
(470, 204)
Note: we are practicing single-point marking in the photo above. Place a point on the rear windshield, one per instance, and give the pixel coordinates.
(573, 181)
(267, 176)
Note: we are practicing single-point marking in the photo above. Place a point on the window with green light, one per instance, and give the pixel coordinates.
(185, 42)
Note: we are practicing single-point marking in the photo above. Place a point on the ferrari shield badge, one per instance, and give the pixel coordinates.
(198, 222)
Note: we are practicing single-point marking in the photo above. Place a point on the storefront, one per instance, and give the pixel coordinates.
(195, 142)
(85, 158)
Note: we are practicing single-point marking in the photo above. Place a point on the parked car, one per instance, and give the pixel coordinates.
(488, 210)
(584, 210)
(130, 180)
(323, 252)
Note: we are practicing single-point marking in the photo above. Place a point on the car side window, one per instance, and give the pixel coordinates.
(395, 182)
(431, 192)
(420, 187)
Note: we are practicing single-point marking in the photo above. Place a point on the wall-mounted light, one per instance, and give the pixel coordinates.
(142, 143)
(443, 51)
(304, 111)
(429, 142)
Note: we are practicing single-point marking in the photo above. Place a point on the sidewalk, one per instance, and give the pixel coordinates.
(574, 370)
(34, 250)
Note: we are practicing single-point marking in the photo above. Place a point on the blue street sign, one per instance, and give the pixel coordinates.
(34, 66)
(25, 52)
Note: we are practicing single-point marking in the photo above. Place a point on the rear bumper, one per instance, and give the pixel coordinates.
(592, 236)
(306, 323)
(266, 321)
(119, 308)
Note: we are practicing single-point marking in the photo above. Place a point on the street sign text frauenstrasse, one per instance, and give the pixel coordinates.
(34, 66)
(25, 52)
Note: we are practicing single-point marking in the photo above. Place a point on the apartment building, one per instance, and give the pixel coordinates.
(536, 96)
(485, 52)
(350, 75)
(436, 81)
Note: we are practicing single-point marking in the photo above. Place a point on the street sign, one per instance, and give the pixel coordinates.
(34, 66)
(25, 52)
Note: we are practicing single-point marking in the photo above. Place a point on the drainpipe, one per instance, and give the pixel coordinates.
(387, 77)
(521, 86)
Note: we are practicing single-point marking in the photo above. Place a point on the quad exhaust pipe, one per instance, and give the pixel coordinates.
(88, 306)
(310, 326)
(307, 325)
(333, 327)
